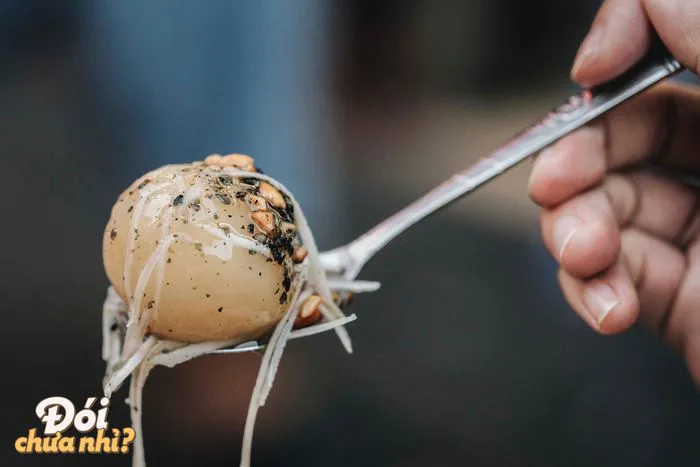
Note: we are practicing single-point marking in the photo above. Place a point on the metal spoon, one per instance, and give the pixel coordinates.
(346, 261)
(579, 110)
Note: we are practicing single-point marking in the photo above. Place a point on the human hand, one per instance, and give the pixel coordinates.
(628, 241)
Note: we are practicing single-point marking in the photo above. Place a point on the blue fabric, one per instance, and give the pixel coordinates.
(220, 76)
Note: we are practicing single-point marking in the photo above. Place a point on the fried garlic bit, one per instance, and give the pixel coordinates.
(202, 255)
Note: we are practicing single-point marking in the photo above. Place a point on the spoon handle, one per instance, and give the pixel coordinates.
(579, 110)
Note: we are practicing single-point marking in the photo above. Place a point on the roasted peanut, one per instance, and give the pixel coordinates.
(299, 254)
(214, 159)
(310, 312)
(271, 194)
(240, 161)
(265, 221)
(255, 203)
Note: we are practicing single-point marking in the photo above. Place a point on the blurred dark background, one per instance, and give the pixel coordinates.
(467, 356)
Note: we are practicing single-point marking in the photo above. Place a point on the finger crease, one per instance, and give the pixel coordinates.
(637, 197)
(690, 224)
(619, 214)
(669, 121)
(605, 122)
(641, 276)
(665, 319)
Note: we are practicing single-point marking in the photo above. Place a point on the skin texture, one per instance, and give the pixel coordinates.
(211, 289)
(626, 239)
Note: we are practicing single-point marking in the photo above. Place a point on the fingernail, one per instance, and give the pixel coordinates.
(600, 299)
(589, 49)
(564, 230)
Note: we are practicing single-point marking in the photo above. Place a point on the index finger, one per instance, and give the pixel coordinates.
(660, 126)
(622, 31)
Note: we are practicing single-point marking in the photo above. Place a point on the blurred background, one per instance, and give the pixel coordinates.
(467, 356)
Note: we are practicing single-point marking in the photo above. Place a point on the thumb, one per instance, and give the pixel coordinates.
(621, 32)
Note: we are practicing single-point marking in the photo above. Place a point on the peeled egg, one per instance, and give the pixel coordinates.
(206, 255)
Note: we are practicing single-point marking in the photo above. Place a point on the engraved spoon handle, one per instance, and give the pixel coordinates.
(579, 110)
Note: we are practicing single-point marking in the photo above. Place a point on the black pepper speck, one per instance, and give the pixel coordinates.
(278, 255)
